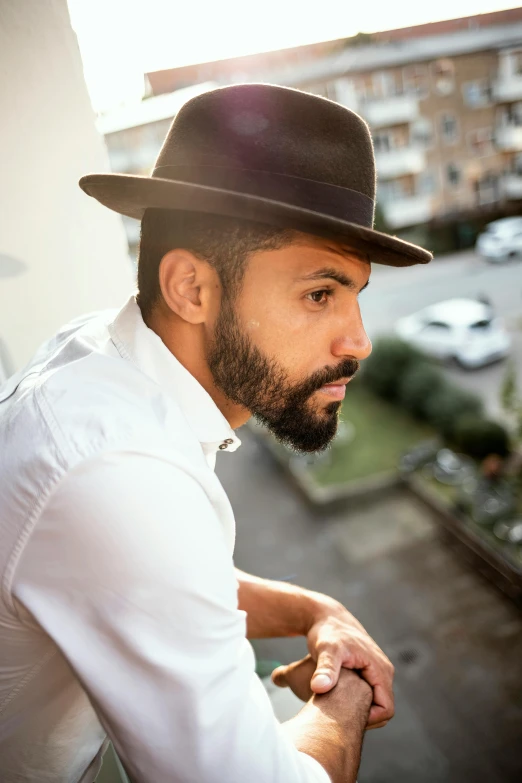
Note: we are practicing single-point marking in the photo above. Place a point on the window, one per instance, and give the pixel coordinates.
(510, 116)
(453, 174)
(516, 60)
(516, 163)
(324, 89)
(415, 78)
(480, 142)
(330, 90)
(346, 93)
(426, 183)
(388, 190)
(476, 93)
(383, 142)
(443, 72)
(487, 188)
(383, 84)
(422, 132)
(449, 128)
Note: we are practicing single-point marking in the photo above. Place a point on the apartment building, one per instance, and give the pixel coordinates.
(446, 119)
(444, 108)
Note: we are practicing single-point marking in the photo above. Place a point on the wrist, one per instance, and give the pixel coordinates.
(321, 607)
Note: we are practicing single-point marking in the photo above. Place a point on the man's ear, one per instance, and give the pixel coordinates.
(185, 281)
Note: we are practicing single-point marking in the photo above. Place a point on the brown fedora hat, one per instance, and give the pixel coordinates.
(268, 154)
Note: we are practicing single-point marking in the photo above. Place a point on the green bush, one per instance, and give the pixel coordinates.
(388, 362)
(479, 437)
(420, 383)
(444, 410)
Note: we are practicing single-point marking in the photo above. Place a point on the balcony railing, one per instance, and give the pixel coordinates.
(509, 138)
(399, 162)
(407, 211)
(508, 88)
(395, 110)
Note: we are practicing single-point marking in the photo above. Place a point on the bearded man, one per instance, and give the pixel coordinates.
(122, 615)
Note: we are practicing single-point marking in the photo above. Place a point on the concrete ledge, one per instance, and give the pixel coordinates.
(477, 550)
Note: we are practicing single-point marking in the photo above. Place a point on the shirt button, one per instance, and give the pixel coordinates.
(229, 441)
(223, 446)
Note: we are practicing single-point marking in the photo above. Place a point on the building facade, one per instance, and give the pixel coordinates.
(444, 107)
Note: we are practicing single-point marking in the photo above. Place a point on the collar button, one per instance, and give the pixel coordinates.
(229, 441)
(223, 446)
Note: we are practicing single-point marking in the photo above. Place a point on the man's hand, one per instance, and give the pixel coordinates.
(335, 640)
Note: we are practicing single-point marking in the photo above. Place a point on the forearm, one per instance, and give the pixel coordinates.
(276, 609)
(331, 727)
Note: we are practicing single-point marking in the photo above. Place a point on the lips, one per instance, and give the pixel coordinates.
(336, 390)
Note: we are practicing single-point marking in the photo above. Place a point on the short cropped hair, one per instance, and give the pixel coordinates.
(224, 242)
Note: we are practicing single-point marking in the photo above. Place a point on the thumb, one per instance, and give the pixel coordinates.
(326, 673)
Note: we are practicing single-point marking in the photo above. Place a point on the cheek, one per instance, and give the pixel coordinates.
(295, 338)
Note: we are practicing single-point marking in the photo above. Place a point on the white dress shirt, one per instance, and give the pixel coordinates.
(118, 611)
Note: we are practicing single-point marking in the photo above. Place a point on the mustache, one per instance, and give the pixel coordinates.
(347, 369)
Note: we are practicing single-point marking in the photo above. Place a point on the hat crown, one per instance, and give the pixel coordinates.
(261, 127)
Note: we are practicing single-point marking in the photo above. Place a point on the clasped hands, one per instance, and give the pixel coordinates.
(338, 640)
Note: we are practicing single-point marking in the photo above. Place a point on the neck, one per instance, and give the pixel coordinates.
(187, 343)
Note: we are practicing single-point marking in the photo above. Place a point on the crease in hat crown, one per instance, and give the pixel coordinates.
(267, 153)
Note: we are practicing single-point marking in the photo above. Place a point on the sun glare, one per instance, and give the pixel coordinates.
(121, 40)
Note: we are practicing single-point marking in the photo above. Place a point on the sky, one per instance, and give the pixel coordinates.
(120, 40)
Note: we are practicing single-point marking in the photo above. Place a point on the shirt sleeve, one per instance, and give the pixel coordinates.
(128, 572)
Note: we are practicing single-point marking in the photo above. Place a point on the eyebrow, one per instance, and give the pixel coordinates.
(334, 274)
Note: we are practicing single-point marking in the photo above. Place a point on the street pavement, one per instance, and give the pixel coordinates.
(455, 641)
(394, 293)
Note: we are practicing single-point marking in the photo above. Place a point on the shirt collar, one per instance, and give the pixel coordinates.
(139, 344)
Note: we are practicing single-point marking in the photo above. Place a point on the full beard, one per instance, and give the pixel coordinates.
(259, 384)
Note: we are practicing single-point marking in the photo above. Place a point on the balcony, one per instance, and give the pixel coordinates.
(508, 88)
(407, 211)
(399, 162)
(509, 138)
(511, 186)
(395, 110)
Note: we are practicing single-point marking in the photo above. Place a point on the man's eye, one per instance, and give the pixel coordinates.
(320, 297)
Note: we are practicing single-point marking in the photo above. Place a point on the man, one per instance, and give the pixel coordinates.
(121, 612)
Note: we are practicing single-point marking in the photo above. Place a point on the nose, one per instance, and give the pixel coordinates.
(353, 341)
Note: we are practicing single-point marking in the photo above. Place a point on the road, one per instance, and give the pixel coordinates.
(394, 293)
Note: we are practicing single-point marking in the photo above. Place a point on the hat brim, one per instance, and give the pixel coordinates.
(131, 195)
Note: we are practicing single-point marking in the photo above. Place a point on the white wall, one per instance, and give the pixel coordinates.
(61, 253)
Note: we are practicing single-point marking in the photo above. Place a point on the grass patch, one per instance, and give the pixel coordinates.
(382, 433)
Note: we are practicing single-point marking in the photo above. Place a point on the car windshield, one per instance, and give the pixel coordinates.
(480, 326)
(437, 325)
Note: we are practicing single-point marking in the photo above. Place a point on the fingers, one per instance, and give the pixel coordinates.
(383, 707)
(326, 674)
(284, 675)
(297, 676)
(279, 677)
(377, 725)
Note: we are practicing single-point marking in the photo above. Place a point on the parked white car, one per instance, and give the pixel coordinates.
(463, 330)
(501, 240)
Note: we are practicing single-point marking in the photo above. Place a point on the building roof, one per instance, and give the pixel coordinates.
(160, 107)
(248, 67)
(395, 53)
